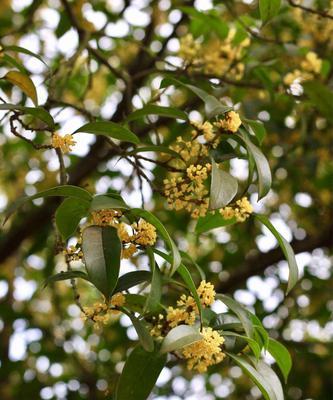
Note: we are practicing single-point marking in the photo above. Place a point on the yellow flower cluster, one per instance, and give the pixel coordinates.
(140, 233)
(206, 293)
(310, 67)
(64, 143)
(230, 123)
(188, 188)
(206, 352)
(100, 313)
(216, 57)
(241, 210)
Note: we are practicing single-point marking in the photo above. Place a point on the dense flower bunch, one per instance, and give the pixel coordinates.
(101, 312)
(241, 210)
(64, 143)
(310, 67)
(140, 233)
(187, 189)
(216, 57)
(208, 350)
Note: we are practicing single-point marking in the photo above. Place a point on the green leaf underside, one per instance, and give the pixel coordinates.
(286, 249)
(257, 128)
(101, 248)
(262, 166)
(107, 201)
(251, 342)
(152, 109)
(281, 355)
(149, 217)
(265, 388)
(140, 374)
(37, 112)
(131, 279)
(69, 214)
(109, 129)
(145, 338)
(212, 221)
(223, 187)
(57, 191)
(179, 337)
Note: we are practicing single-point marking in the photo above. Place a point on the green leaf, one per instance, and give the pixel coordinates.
(107, 201)
(101, 248)
(149, 217)
(269, 9)
(131, 279)
(255, 376)
(109, 129)
(57, 191)
(37, 112)
(179, 337)
(281, 355)
(212, 105)
(140, 374)
(262, 166)
(226, 321)
(223, 187)
(271, 378)
(187, 259)
(145, 338)
(212, 221)
(251, 342)
(321, 97)
(287, 251)
(13, 62)
(156, 149)
(19, 49)
(257, 128)
(154, 296)
(241, 312)
(62, 276)
(135, 302)
(152, 109)
(69, 214)
(23, 81)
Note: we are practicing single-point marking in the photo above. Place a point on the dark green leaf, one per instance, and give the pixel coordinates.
(156, 149)
(62, 276)
(223, 187)
(69, 214)
(107, 201)
(251, 342)
(109, 129)
(37, 112)
(179, 337)
(212, 221)
(271, 378)
(101, 248)
(321, 97)
(154, 296)
(131, 279)
(145, 338)
(281, 355)
(287, 251)
(152, 109)
(139, 375)
(257, 128)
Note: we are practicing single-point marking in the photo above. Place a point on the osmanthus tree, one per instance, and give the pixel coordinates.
(205, 119)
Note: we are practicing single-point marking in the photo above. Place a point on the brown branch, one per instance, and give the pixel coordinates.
(321, 14)
(257, 264)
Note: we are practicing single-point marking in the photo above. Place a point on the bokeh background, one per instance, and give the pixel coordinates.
(46, 350)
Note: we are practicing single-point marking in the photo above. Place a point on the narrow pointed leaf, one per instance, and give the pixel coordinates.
(69, 214)
(62, 276)
(223, 187)
(19, 49)
(23, 81)
(145, 338)
(109, 129)
(37, 112)
(281, 355)
(212, 221)
(101, 248)
(131, 279)
(108, 201)
(152, 109)
(155, 294)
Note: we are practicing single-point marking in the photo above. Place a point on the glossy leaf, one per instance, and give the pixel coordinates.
(107, 201)
(23, 81)
(257, 128)
(281, 355)
(262, 166)
(251, 342)
(62, 276)
(109, 129)
(37, 112)
(155, 293)
(69, 214)
(179, 337)
(152, 109)
(145, 338)
(155, 149)
(287, 251)
(140, 374)
(271, 378)
(149, 217)
(131, 279)
(101, 248)
(223, 187)
(57, 191)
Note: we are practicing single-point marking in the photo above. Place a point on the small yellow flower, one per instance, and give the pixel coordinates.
(206, 293)
(230, 123)
(206, 352)
(118, 300)
(241, 210)
(64, 143)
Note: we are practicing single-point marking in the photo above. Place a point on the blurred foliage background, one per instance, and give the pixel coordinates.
(105, 59)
